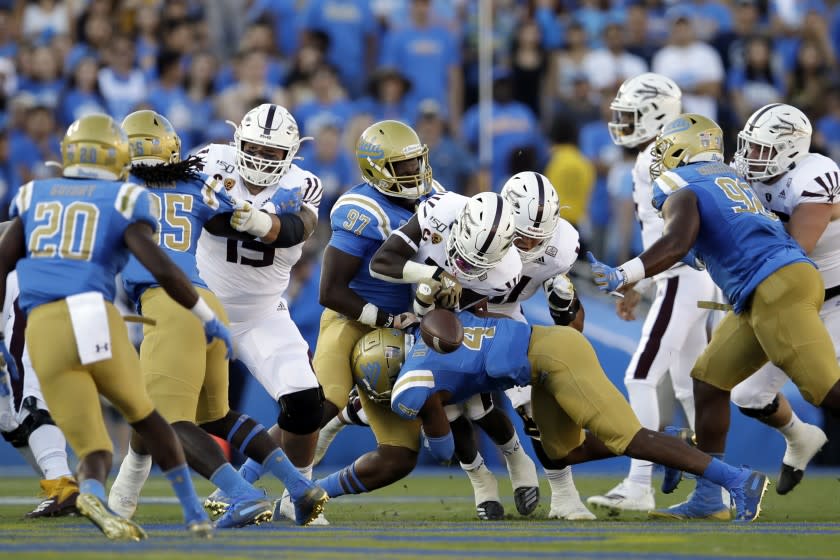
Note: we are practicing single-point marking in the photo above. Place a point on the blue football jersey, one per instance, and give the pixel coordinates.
(494, 356)
(740, 241)
(361, 220)
(74, 236)
(181, 210)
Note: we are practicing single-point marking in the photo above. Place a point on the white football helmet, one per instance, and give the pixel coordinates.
(773, 140)
(642, 106)
(536, 210)
(267, 125)
(480, 235)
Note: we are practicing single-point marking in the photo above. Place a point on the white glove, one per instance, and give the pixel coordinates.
(248, 219)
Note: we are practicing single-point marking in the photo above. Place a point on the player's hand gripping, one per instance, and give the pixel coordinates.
(215, 329)
(405, 320)
(425, 296)
(607, 278)
(450, 290)
(250, 220)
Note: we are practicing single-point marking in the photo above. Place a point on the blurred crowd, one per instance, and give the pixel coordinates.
(339, 65)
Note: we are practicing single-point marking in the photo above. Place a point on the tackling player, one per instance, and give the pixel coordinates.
(570, 391)
(712, 215)
(801, 188)
(674, 331)
(250, 276)
(68, 239)
(186, 376)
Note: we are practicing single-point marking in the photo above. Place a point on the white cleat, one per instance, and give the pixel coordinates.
(570, 508)
(125, 492)
(798, 454)
(488, 506)
(285, 508)
(325, 439)
(627, 496)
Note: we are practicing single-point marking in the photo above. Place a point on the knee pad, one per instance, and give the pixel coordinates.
(479, 406)
(301, 411)
(34, 419)
(761, 413)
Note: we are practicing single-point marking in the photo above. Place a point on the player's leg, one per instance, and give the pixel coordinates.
(395, 456)
(336, 339)
(523, 472)
(120, 380)
(758, 397)
(661, 341)
(488, 505)
(71, 392)
(582, 390)
(351, 415)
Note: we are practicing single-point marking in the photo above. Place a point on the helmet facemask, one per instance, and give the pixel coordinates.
(625, 127)
(410, 177)
(466, 261)
(261, 171)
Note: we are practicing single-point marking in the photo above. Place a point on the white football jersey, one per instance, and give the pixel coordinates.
(814, 180)
(248, 277)
(560, 255)
(436, 216)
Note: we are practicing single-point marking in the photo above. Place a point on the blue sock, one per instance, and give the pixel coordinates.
(717, 474)
(342, 482)
(93, 486)
(229, 481)
(251, 471)
(279, 465)
(182, 485)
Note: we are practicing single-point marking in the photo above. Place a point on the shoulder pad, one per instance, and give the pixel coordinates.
(412, 389)
(361, 215)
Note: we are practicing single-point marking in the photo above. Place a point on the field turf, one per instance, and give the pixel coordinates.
(432, 517)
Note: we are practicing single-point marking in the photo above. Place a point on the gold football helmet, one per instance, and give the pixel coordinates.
(393, 160)
(376, 362)
(153, 138)
(95, 147)
(687, 139)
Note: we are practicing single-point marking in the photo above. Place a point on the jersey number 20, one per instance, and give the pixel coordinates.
(68, 231)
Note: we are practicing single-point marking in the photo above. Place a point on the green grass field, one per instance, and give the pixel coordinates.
(433, 517)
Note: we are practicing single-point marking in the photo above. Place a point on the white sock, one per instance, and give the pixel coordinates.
(645, 403)
(50, 451)
(793, 429)
(688, 409)
(306, 471)
(136, 464)
(511, 446)
(477, 462)
(363, 416)
(560, 481)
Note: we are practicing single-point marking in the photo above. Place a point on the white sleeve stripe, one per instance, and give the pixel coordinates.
(405, 238)
(126, 199)
(413, 379)
(679, 181)
(371, 206)
(24, 198)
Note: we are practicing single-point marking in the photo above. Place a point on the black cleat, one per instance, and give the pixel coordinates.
(526, 498)
(788, 479)
(490, 511)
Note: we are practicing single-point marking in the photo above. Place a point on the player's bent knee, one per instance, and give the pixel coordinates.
(761, 413)
(34, 418)
(301, 411)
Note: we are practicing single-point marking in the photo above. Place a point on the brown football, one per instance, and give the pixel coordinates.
(442, 330)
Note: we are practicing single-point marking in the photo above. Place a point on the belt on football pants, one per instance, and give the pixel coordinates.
(832, 292)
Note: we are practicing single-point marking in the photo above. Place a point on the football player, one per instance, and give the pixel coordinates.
(714, 217)
(486, 223)
(250, 277)
(68, 239)
(187, 377)
(674, 331)
(570, 391)
(548, 247)
(802, 189)
(471, 240)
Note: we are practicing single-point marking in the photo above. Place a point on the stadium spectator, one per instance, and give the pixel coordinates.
(388, 97)
(8, 39)
(147, 44)
(567, 65)
(639, 38)
(453, 166)
(45, 16)
(308, 58)
(327, 158)
(285, 19)
(731, 45)
(608, 66)
(693, 65)
(39, 143)
(9, 178)
(251, 87)
(44, 82)
(810, 78)
(122, 84)
(529, 65)
(758, 81)
(82, 96)
(169, 98)
(329, 99)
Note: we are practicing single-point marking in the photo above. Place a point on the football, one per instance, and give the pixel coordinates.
(442, 330)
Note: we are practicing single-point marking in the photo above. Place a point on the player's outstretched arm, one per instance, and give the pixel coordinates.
(283, 230)
(682, 223)
(12, 249)
(392, 261)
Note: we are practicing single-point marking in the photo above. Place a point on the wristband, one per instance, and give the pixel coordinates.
(384, 319)
(202, 310)
(633, 271)
(368, 315)
(413, 272)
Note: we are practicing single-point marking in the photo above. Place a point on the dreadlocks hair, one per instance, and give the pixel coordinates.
(185, 170)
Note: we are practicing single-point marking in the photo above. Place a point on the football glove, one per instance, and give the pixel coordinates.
(215, 329)
(250, 220)
(562, 303)
(405, 320)
(607, 278)
(425, 295)
(449, 294)
(287, 201)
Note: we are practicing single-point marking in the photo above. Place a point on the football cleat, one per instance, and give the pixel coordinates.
(798, 454)
(748, 495)
(523, 477)
(309, 506)
(202, 529)
(526, 498)
(627, 496)
(673, 477)
(284, 508)
(60, 497)
(217, 503)
(490, 510)
(248, 510)
(325, 438)
(569, 508)
(112, 525)
(706, 502)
